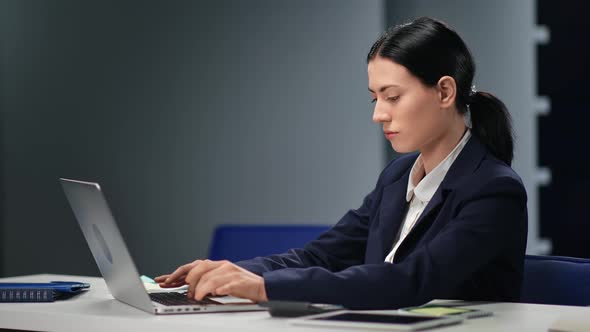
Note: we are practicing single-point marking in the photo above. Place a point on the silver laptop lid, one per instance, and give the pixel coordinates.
(106, 243)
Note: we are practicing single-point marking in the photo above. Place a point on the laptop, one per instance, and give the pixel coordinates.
(117, 267)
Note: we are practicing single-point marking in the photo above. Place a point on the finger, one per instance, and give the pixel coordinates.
(194, 275)
(179, 277)
(225, 289)
(239, 288)
(223, 268)
(216, 279)
(181, 271)
(161, 278)
(173, 284)
(245, 285)
(163, 282)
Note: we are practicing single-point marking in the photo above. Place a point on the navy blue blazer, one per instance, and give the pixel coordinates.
(469, 243)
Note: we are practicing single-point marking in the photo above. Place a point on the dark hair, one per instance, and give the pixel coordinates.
(429, 49)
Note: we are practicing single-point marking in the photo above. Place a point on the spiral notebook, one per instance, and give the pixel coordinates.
(40, 292)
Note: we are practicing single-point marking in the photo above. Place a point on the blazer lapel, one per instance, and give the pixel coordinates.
(393, 209)
(437, 199)
(466, 163)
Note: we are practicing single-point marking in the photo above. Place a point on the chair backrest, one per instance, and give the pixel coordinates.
(239, 242)
(556, 280)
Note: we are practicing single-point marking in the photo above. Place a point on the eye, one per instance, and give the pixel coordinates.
(373, 100)
(394, 98)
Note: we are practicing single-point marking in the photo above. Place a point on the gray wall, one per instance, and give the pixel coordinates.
(190, 114)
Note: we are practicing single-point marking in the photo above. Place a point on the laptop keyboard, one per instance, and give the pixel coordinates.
(175, 298)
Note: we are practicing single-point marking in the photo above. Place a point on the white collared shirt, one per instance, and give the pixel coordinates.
(421, 189)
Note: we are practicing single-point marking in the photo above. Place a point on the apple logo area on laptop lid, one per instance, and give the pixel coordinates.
(116, 265)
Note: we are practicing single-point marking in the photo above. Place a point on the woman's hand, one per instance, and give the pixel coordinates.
(177, 278)
(205, 277)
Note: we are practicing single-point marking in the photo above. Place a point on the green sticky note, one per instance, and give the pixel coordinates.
(440, 311)
(147, 279)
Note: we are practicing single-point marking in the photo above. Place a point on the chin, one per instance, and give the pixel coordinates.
(403, 148)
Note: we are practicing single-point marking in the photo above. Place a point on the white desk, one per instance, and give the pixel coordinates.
(96, 310)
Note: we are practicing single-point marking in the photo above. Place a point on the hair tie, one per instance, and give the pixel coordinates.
(471, 94)
(467, 115)
(473, 91)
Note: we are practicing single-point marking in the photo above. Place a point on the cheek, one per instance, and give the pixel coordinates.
(425, 114)
(411, 114)
(420, 122)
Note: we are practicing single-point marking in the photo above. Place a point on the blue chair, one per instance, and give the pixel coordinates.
(556, 280)
(239, 242)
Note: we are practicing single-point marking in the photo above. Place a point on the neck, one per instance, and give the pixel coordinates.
(440, 147)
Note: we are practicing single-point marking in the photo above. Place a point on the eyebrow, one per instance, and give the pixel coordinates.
(383, 88)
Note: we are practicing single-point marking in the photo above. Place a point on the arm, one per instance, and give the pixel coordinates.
(487, 225)
(243, 279)
(344, 245)
(349, 235)
(337, 249)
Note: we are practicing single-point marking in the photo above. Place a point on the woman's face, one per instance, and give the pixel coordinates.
(410, 112)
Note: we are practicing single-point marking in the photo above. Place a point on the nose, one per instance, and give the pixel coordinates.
(380, 114)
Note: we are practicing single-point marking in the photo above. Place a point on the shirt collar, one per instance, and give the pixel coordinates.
(424, 189)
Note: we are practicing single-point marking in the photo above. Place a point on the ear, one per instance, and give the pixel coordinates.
(447, 91)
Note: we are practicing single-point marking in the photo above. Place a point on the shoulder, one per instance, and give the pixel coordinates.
(493, 178)
(478, 173)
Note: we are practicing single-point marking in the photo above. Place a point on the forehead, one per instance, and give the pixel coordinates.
(384, 72)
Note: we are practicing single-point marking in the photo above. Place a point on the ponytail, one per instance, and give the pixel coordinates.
(413, 45)
(492, 124)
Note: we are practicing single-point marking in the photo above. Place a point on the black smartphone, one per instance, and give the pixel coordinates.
(297, 309)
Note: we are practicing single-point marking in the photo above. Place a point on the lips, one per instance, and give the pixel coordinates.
(390, 134)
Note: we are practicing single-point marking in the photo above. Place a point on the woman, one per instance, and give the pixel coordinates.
(449, 221)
